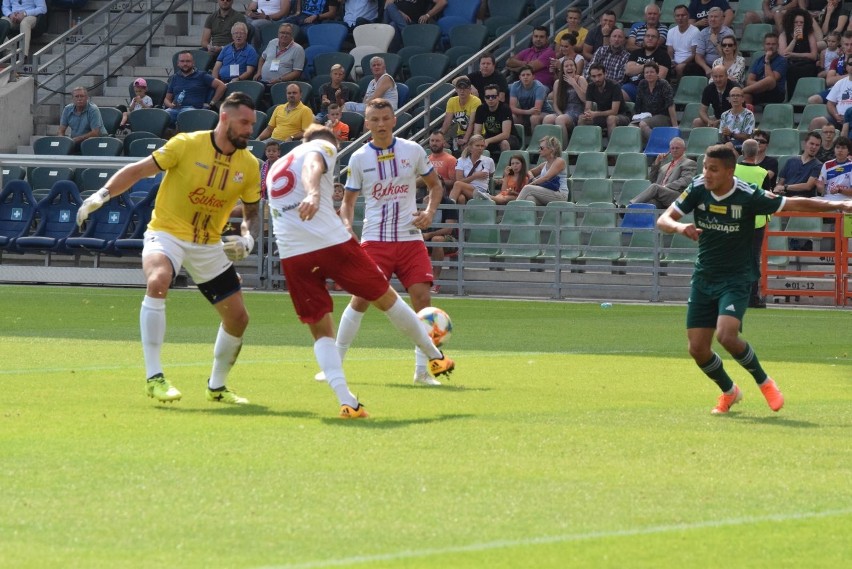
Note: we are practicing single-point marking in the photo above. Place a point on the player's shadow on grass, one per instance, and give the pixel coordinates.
(776, 421)
(379, 423)
(442, 387)
(249, 410)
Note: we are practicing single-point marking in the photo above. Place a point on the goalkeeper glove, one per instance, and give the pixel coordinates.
(90, 204)
(238, 247)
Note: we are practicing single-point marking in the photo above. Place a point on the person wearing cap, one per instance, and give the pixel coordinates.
(460, 111)
(140, 100)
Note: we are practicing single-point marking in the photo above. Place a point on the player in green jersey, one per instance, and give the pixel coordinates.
(724, 209)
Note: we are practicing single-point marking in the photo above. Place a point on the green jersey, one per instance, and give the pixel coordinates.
(727, 224)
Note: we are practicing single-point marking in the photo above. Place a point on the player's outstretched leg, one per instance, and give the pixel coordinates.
(405, 320)
(350, 323)
(328, 359)
(731, 394)
(152, 325)
(748, 359)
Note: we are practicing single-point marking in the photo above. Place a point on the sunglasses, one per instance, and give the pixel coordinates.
(761, 141)
(728, 45)
(490, 96)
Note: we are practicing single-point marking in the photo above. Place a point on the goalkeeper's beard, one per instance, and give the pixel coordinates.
(238, 141)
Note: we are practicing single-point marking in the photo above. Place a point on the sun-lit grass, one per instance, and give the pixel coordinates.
(570, 436)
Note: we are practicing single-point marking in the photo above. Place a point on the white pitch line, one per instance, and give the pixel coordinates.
(544, 540)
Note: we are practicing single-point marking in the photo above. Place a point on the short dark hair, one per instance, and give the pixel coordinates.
(488, 55)
(844, 142)
(764, 133)
(598, 66)
(525, 68)
(679, 6)
(489, 87)
(653, 64)
(724, 153)
(542, 29)
(236, 99)
(814, 134)
(437, 131)
(379, 104)
(768, 35)
(319, 132)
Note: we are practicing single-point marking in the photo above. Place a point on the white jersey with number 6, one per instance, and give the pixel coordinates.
(387, 177)
(286, 192)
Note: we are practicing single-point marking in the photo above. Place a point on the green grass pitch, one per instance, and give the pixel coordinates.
(569, 436)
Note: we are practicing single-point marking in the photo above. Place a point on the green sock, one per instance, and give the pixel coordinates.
(748, 359)
(715, 370)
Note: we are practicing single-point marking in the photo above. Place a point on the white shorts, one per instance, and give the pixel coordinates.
(203, 262)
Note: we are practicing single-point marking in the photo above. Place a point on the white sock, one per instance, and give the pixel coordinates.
(405, 320)
(225, 352)
(329, 361)
(350, 323)
(420, 361)
(152, 324)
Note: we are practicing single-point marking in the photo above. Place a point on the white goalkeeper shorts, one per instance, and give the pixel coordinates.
(203, 262)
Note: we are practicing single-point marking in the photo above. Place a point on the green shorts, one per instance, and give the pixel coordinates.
(709, 300)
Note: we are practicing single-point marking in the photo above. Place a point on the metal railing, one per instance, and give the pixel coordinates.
(12, 58)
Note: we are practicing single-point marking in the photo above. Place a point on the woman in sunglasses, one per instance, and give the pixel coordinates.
(731, 60)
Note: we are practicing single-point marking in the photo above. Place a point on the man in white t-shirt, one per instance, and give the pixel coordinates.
(681, 42)
(314, 245)
(385, 171)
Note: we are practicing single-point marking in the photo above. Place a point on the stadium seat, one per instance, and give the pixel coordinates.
(594, 190)
(447, 24)
(639, 215)
(784, 141)
(541, 131)
(807, 225)
(311, 53)
(253, 89)
(332, 34)
(112, 118)
(421, 35)
(405, 55)
(140, 216)
(93, 179)
(630, 190)
(523, 241)
(480, 241)
(434, 65)
(197, 119)
(57, 220)
(12, 173)
(641, 240)
(155, 121)
(601, 218)
(661, 136)
(462, 9)
(608, 241)
(142, 147)
(752, 39)
(378, 35)
(811, 112)
(102, 228)
(805, 87)
(257, 148)
(469, 35)
(634, 11)
(560, 220)
(667, 11)
(687, 256)
(53, 145)
(401, 120)
(157, 88)
(629, 166)
(416, 81)
(17, 209)
(358, 54)
(776, 115)
(128, 140)
(624, 139)
(744, 6)
(402, 93)
(513, 11)
(324, 61)
(101, 146)
(585, 138)
(590, 165)
(690, 113)
(45, 177)
(278, 93)
(689, 90)
(261, 120)
(355, 122)
(459, 54)
(494, 23)
(699, 139)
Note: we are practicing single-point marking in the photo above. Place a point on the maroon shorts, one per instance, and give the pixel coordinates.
(408, 260)
(347, 264)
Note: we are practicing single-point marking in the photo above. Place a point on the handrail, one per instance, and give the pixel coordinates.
(11, 57)
(99, 29)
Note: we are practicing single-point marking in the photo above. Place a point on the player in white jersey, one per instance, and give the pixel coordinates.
(385, 171)
(314, 246)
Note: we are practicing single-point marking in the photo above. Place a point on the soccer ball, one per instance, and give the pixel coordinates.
(437, 323)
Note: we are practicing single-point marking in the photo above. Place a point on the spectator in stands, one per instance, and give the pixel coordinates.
(311, 12)
(750, 172)
(237, 60)
(699, 11)
(569, 99)
(493, 120)
(488, 75)
(382, 86)
(681, 41)
(669, 182)
(337, 126)
(358, 12)
(775, 10)
(549, 181)
(829, 56)
(832, 19)
(826, 148)
(217, 28)
(613, 57)
(537, 57)
(767, 79)
(273, 153)
(289, 121)
(81, 119)
(459, 114)
(473, 172)
(716, 95)
(737, 123)
(599, 36)
(574, 21)
(838, 104)
(528, 100)
(608, 98)
(769, 163)
(799, 175)
(798, 44)
(654, 101)
(402, 13)
(262, 13)
(437, 234)
(189, 88)
(636, 35)
(567, 50)
(443, 162)
(21, 16)
(835, 177)
(515, 177)
(731, 60)
(707, 48)
(838, 70)
(333, 93)
(140, 100)
(651, 50)
(283, 59)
